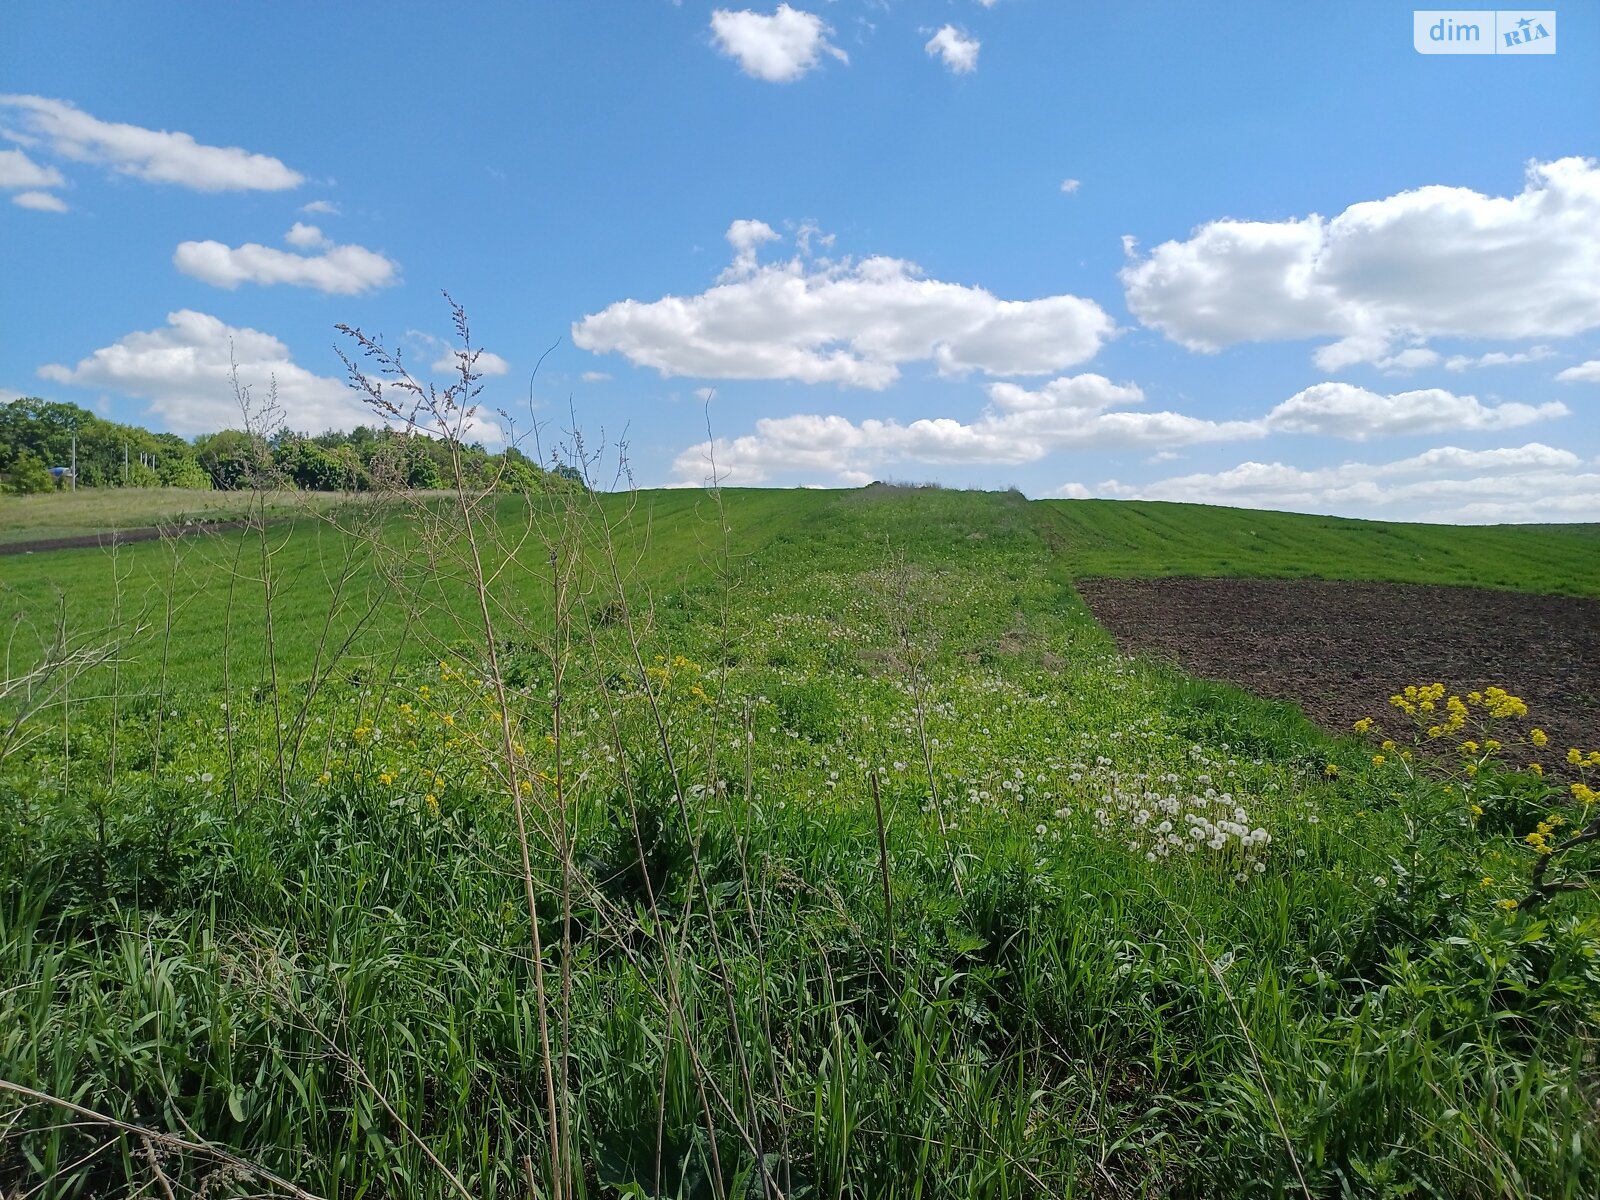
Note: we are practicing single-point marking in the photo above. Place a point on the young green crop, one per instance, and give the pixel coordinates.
(863, 865)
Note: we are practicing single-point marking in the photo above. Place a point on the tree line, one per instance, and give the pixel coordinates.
(36, 437)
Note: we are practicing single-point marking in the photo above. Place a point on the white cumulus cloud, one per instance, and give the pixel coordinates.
(780, 47)
(1588, 372)
(182, 372)
(1533, 482)
(958, 50)
(1069, 186)
(337, 271)
(305, 237)
(156, 156)
(1436, 261)
(1080, 412)
(1344, 410)
(325, 208)
(850, 322)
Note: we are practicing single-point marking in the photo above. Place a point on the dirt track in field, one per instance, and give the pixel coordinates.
(1339, 650)
(118, 537)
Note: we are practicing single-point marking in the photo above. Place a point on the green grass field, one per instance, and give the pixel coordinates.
(93, 511)
(813, 844)
(1144, 539)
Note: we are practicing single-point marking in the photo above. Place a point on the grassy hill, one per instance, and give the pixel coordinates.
(818, 844)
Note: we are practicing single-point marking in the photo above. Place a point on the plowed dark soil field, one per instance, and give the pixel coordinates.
(1339, 650)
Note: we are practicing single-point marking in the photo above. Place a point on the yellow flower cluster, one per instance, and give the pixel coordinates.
(1417, 699)
(1499, 703)
(1541, 839)
(666, 670)
(1437, 713)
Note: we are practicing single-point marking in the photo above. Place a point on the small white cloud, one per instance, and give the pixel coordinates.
(17, 170)
(324, 207)
(842, 321)
(340, 271)
(746, 238)
(1496, 358)
(156, 156)
(1403, 362)
(779, 48)
(305, 237)
(1069, 186)
(487, 363)
(958, 50)
(182, 373)
(40, 201)
(1343, 410)
(595, 377)
(705, 393)
(1588, 372)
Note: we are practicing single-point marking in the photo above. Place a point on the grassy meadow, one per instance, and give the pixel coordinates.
(90, 512)
(758, 844)
(1144, 539)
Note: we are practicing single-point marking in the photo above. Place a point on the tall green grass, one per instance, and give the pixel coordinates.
(838, 871)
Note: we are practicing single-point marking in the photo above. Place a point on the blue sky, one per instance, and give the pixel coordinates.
(1253, 254)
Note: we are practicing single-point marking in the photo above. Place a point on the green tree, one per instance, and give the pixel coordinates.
(28, 475)
(231, 458)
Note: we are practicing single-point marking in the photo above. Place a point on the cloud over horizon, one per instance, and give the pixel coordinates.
(1533, 482)
(182, 372)
(846, 321)
(1436, 261)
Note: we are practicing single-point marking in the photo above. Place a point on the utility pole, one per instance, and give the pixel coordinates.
(74, 460)
(124, 464)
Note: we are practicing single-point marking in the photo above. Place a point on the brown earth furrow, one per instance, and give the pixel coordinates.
(1339, 650)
